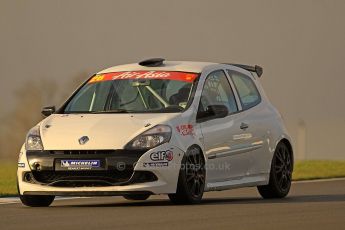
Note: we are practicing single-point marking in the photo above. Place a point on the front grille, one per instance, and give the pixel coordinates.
(88, 178)
(83, 178)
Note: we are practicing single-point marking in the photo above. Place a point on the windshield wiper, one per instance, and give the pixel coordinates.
(170, 108)
(113, 111)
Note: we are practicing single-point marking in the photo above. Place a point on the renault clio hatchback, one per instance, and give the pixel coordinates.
(159, 127)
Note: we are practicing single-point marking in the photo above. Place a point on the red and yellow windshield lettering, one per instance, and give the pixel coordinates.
(96, 78)
(168, 75)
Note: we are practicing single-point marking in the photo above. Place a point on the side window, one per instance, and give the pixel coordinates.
(217, 91)
(248, 93)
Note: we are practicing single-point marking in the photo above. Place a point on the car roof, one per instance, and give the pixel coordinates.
(183, 66)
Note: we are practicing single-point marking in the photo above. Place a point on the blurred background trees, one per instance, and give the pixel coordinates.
(29, 100)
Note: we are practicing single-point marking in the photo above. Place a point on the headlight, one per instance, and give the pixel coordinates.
(33, 139)
(153, 137)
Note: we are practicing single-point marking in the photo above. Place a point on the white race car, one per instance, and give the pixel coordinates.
(159, 127)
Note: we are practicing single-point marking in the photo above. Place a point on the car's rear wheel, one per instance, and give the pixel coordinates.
(36, 200)
(191, 182)
(280, 175)
(136, 196)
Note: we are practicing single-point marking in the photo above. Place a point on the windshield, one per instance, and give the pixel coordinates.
(139, 91)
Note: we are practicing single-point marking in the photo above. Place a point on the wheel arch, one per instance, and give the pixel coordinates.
(200, 149)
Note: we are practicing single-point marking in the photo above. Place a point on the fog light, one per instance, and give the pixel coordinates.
(27, 177)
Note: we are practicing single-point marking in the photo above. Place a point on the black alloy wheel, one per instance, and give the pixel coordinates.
(280, 175)
(191, 182)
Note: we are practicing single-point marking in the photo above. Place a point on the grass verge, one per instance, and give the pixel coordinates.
(318, 169)
(8, 184)
(304, 170)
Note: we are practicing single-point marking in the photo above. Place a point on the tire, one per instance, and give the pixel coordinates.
(191, 181)
(36, 201)
(136, 196)
(280, 174)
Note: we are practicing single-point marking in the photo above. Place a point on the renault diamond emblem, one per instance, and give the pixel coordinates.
(83, 140)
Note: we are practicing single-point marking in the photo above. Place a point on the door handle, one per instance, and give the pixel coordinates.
(244, 126)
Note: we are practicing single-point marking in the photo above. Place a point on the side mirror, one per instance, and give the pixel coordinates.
(47, 111)
(213, 112)
(217, 111)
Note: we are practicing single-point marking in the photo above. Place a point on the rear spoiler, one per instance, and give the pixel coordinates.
(255, 69)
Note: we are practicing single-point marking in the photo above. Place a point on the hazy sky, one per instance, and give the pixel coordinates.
(300, 44)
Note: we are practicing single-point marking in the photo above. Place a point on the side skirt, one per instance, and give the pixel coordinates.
(247, 181)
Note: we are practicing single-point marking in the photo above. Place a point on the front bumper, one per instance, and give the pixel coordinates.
(121, 172)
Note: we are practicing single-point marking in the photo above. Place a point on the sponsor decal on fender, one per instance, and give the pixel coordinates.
(160, 159)
(185, 129)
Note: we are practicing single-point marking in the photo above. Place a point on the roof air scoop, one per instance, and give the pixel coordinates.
(152, 62)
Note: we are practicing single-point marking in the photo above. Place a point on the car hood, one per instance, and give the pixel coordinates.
(104, 131)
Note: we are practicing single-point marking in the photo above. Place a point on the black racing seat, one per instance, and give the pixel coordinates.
(181, 96)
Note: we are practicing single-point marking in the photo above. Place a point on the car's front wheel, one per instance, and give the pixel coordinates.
(280, 175)
(136, 196)
(191, 182)
(36, 200)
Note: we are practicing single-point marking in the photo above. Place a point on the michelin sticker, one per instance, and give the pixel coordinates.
(80, 164)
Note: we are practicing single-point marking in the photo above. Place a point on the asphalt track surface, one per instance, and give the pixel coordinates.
(310, 206)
